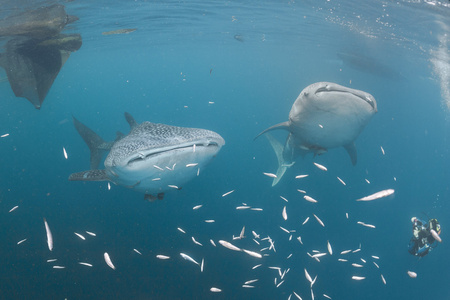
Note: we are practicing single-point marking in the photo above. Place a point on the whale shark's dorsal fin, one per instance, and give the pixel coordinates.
(284, 125)
(131, 121)
(91, 175)
(96, 144)
(282, 165)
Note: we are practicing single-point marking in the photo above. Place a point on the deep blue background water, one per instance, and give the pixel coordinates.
(185, 54)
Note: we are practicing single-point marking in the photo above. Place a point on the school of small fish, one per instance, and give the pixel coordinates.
(259, 246)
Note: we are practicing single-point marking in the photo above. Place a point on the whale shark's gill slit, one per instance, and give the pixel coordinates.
(143, 157)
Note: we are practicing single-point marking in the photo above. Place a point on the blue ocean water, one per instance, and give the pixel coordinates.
(234, 68)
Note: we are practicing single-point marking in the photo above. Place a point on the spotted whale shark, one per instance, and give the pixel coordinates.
(325, 115)
(151, 158)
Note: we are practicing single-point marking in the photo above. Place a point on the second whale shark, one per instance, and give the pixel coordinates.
(152, 158)
(325, 115)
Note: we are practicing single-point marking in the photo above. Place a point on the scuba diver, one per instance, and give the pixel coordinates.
(425, 236)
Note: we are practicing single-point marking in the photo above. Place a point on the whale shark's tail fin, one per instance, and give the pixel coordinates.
(282, 166)
(96, 144)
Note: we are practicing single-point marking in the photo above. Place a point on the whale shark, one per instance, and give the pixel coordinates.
(152, 158)
(325, 115)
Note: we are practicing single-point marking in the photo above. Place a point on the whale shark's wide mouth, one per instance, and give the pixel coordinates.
(340, 89)
(145, 155)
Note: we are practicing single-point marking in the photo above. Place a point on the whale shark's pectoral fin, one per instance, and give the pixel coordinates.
(284, 125)
(282, 165)
(351, 150)
(152, 198)
(91, 175)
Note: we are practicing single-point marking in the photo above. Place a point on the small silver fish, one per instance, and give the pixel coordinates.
(323, 168)
(271, 175)
(108, 261)
(319, 220)
(377, 195)
(49, 235)
(227, 193)
(187, 257)
(229, 245)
